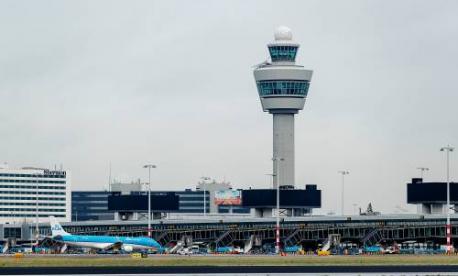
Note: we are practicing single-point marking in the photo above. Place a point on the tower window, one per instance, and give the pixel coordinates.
(283, 53)
(283, 87)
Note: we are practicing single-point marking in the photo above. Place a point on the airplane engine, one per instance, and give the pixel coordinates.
(127, 248)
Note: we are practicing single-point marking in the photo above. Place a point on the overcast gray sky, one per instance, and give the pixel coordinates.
(86, 83)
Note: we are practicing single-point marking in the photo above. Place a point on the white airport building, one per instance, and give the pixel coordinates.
(30, 193)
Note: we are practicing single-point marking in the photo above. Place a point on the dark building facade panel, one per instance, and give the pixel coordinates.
(91, 205)
(165, 202)
(189, 201)
(431, 192)
(308, 198)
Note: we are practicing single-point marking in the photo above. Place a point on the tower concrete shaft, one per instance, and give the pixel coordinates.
(283, 147)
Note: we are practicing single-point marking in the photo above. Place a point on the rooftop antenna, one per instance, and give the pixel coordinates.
(422, 171)
(266, 62)
(109, 179)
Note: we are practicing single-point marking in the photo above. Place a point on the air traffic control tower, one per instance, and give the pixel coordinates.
(282, 87)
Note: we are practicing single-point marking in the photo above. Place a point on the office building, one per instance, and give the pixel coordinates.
(29, 194)
(90, 205)
(93, 205)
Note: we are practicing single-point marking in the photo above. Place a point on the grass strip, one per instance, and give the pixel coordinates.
(45, 261)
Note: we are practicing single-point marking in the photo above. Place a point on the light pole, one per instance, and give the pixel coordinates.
(149, 167)
(204, 178)
(422, 170)
(355, 210)
(37, 229)
(448, 149)
(271, 179)
(277, 226)
(343, 173)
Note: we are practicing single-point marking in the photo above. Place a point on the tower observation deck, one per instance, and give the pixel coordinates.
(282, 87)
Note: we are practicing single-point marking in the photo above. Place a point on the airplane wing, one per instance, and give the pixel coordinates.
(116, 245)
(57, 237)
(50, 241)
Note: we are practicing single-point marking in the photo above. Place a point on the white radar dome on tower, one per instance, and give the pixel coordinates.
(283, 33)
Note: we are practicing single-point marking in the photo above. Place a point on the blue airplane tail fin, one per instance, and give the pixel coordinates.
(56, 228)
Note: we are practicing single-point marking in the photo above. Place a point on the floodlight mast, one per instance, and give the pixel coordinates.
(205, 178)
(448, 149)
(342, 195)
(422, 171)
(277, 225)
(149, 167)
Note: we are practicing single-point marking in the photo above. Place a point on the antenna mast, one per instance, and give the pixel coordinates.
(109, 179)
